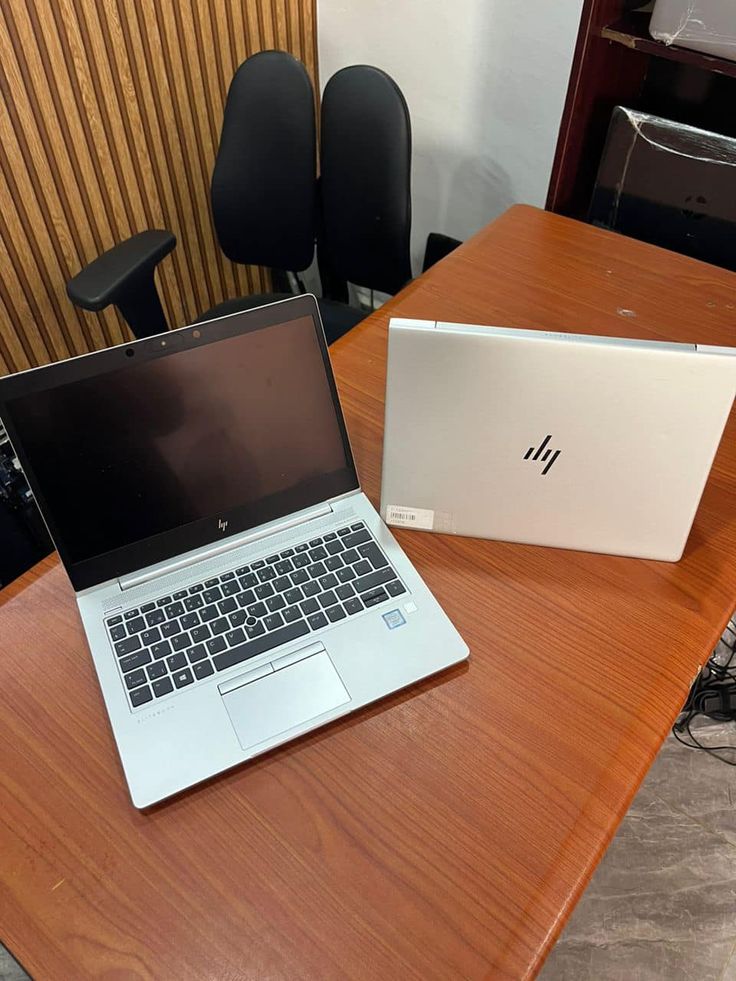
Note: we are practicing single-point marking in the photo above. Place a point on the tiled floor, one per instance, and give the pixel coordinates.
(662, 904)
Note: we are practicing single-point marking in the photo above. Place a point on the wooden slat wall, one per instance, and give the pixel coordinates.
(109, 123)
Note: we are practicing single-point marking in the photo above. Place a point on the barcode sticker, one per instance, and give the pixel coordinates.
(409, 517)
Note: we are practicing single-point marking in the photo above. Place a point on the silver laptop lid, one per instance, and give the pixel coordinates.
(142, 452)
(601, 444)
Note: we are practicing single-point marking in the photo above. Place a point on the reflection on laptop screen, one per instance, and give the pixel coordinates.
(129, 454)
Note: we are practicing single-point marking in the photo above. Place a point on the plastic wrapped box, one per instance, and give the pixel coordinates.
(704, 25)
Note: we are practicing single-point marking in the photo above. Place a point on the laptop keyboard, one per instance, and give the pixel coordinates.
(181, 639)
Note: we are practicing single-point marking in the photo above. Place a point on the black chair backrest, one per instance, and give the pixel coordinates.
(264, 181)
(365, 182)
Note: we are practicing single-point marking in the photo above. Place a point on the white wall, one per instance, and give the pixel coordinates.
(485, 81)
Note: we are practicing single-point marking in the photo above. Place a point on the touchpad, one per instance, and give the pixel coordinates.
(284, 699)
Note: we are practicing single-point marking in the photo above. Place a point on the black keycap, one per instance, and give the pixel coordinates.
(345, 592)
(156, 670)
(219, 626)
(327, 599)
(113, 620)
(301, 548)
(242, 570)
(234, 637)
(345, 575)
(177, 661)
(362, 567)
(271, 559)
(196, 589)
(131, 613)
(161, 650)
(162, 687)
(174, 610)
(133, 661)
(334, 547)
(127, 646)
(331, 537)
(375, 556)
(275, 603)
(287, 553)
(358, 524)
(151, 636)
(265, 643)
(350, 556)
(257, 610)
(140, 696)
(189, 620)
(230, 588)
(181, 594)
(200, 633)
(136, 625)
(309, 606)
(209, 583)
(194, 603)
(180, 642)
(246, 598)
(317, 570)
(333, 562)
(249, 581)
(227, 576)
(164, 601)
(310, 588)
(255, 629)
(183, 678)
(209, 613)
(170, 629)
(299, 561)
(315, 554)
(147, 607)
(282, 583)
(293, 595)
(395, 588)
(196, 653)
(158, 616)
(266, 574)
(374, 596)
(212, 595)
(342, 532)
(300, 576)
(353, 605)
(357, 538)
(273, 621)
(317, 620)
(373, 579)
(328, 581)
(117, 633)
(227, 605)
(236, 619)
(135, 678)
(335, 613)
(264, 590)
(291, 613)
(216, 645)
(314, 542)
(203, 670)
(258, 565)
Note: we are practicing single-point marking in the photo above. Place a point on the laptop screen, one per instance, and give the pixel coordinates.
(242, 430)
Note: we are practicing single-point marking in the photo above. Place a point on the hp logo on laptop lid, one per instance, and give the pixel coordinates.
(544, 453)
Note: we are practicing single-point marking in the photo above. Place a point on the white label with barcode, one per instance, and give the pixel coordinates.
(409, 517)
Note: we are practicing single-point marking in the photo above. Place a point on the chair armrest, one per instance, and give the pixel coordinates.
(438, 246)
(108, 277)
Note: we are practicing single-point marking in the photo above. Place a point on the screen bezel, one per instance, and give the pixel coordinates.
(196, 534)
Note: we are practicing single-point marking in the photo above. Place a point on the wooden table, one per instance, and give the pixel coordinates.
(446, 832)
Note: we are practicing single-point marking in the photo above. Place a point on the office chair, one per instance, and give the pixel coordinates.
(269, 209)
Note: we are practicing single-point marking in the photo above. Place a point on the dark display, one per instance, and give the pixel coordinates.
(243, 429)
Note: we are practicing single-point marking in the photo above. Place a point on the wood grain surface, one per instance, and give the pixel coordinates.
(447, 831)
(110, 115)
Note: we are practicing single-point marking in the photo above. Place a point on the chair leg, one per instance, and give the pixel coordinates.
(141, 307)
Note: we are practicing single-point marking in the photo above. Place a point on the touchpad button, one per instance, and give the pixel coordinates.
(284, 699)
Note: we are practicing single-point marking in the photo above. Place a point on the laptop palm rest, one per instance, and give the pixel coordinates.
(284, 698)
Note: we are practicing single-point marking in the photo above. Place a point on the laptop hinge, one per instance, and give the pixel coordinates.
(201, 555)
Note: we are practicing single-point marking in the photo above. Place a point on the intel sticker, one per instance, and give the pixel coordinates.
(394, 619)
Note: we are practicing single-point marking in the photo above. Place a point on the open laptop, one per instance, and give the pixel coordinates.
(583, 442)
(236, 587)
